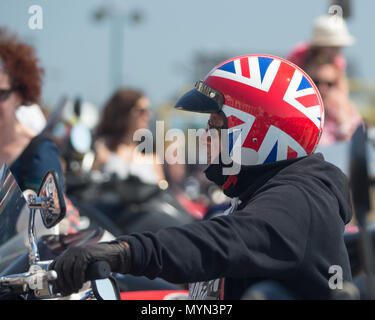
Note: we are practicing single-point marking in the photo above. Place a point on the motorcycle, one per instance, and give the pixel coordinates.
(26, 275)
(37, 281)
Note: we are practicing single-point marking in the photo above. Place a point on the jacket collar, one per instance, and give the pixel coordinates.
(248, 180)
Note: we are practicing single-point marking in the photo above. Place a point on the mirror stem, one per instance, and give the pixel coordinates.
(38, 202)
(33, 248)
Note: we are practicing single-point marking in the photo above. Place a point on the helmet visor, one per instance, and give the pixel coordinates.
(202, 99)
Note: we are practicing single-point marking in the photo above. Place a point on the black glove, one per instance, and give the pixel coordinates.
(72, 264)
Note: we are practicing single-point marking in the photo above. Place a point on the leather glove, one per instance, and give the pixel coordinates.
(72, 264)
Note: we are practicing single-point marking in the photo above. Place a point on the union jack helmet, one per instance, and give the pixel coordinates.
(273, 109)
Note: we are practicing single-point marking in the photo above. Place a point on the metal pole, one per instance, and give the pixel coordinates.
(117, 51)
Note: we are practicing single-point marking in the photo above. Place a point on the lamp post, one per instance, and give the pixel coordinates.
(118, 16)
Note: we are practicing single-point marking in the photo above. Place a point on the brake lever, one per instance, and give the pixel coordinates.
(37, 279)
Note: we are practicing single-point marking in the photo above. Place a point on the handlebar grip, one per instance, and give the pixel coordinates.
(98, 270)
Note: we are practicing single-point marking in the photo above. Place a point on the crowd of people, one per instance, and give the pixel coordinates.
(275, 235)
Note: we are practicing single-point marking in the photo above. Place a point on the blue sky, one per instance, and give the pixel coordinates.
(159, 52)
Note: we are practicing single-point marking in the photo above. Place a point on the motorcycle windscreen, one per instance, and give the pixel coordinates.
(12, 202)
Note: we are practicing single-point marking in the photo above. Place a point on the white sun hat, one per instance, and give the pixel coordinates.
(331, 30)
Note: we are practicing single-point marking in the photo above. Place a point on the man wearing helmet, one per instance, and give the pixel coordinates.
(289, 206)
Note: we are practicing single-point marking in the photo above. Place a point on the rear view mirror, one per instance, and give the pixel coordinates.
(50, 200)
(53, 208)
(105, 289)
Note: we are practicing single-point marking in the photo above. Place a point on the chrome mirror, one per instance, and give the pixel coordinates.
(105, 289)
(49, 200)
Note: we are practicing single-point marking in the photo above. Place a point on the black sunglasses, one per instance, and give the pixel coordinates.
(4, 94)
(329, 84)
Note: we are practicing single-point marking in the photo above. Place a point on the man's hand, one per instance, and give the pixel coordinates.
(72, 264)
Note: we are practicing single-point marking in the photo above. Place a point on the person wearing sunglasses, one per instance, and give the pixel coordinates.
(28, 155)
(125, 112)
(341, 115)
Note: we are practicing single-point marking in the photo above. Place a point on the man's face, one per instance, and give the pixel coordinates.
(215, 124)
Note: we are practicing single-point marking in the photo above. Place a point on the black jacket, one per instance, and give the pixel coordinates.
(289, 228)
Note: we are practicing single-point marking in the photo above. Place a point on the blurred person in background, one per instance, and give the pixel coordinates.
(20, 85)
(28, 154)
(341, 115)
(116, 151)
(322, 59)
(329, 35)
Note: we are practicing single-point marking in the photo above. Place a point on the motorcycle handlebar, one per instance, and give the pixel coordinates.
(98, 270)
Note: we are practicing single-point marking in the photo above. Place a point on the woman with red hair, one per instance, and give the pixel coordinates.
(29, 155)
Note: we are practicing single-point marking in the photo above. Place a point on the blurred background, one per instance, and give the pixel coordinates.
(91, 47)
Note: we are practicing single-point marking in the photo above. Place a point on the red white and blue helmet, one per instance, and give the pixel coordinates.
(273, 104)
